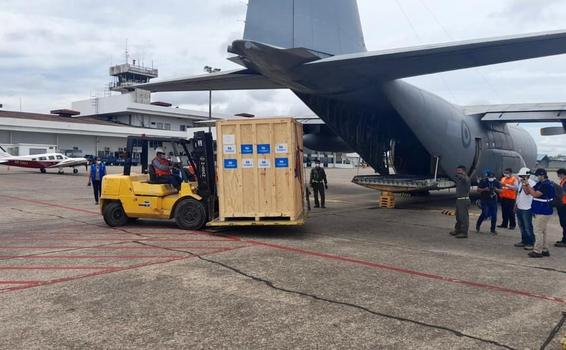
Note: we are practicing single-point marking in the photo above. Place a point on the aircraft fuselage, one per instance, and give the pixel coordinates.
(393, 124)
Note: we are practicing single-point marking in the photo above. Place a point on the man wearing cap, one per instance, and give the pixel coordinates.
(488, 188)
(163, 168)
(318, 183)
(462, 203)
(561, 207)
(507, 198)
(524, 213)
(543, 194)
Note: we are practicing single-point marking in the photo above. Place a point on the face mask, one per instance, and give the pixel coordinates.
(507, 175)
(317, 165)
(98, 162)
(491, 179)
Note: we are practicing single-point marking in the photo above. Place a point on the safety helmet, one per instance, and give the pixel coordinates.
(159, 150)
(524, 172)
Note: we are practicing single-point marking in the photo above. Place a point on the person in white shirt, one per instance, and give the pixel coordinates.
(524, 213)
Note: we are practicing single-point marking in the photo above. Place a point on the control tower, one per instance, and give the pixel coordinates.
(126, 75)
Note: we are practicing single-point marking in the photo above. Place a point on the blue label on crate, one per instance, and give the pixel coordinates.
(281, 162)
(247, 149)
(264, 148)
(230, 163)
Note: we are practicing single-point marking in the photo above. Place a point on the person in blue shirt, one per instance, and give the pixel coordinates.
(97, 172)
(489, 187)
(543, 195)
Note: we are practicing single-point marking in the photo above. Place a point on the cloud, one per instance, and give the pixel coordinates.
(53, 52)
(528, 10)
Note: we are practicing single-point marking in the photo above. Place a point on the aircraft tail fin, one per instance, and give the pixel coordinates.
(4, 154)
(328, 26)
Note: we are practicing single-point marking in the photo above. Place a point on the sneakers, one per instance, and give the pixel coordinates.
(560, 244)
(545, 253)
(528, 247)
(453, 233)
(461, 235)
(520, 245)
(493, 232)
(512, 227)
(477, 229)
(501, 226)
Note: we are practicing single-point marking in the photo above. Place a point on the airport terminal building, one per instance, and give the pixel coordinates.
(100, 134)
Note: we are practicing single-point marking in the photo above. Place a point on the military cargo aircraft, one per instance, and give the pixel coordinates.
(316, 49)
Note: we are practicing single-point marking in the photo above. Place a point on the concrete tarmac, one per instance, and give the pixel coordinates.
(354, 277)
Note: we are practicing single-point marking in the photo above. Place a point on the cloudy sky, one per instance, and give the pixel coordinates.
(53, 52)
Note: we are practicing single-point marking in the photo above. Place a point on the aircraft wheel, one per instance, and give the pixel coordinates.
(43, 171)
(60, 172)
(114, 215)
(190, 214)
(75, 171)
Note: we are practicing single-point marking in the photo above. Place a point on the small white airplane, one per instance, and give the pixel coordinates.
(42, 161)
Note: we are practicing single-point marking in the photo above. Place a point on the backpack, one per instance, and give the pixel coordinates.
(558, 194)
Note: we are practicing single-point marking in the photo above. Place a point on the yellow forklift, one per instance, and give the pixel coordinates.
(127, 197)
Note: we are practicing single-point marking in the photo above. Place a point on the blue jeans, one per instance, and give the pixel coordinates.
(488, 210)
(525, 220)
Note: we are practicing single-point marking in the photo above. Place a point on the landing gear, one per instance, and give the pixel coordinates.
(43, 171)
(75, 171)
(60, 172)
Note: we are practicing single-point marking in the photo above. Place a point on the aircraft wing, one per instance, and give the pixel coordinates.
(404, 63)
(555, 108)
(70, 163)
(242, 79)
(524, 113)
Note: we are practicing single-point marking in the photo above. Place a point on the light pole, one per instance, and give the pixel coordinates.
(210, 70)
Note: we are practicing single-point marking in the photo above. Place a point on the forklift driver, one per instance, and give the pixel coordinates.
(162, 168)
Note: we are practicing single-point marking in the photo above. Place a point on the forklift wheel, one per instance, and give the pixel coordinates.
(114, 215)
(190, 215)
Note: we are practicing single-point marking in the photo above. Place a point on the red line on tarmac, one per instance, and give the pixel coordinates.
(71, 257)
(132, 239)
(108, 247)
(51, 204)
(98, 273)
(55, 267)
(409, 272)
(19, 282)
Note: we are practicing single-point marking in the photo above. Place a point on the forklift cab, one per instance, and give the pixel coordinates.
(132, 196)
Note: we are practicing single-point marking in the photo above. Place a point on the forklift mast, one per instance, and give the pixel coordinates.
(203, 156)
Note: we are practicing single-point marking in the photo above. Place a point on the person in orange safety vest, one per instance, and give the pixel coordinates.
(507, 199)
(162, 168)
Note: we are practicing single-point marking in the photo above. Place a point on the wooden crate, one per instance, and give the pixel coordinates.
(260, 169)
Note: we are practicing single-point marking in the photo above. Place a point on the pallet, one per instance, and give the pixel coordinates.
(260, 221)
